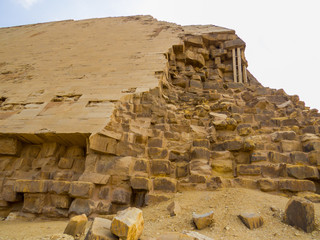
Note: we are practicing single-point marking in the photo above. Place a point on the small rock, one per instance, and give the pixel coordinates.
(100, 229)
(76, 225)
(196, 235)
(251, 220)
(174, 208)
(299, 213)
(128, 224)
(202, 220)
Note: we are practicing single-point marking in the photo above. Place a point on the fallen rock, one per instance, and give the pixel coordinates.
(100, 230)
(202, 220)
(299, 213)
(174, 208)
(251, 220)
(76, 225)
(128, 224)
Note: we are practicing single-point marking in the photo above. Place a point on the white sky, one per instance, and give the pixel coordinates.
(282, 36)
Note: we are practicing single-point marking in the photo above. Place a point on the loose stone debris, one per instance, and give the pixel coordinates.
(76, 225)
(251, 220)
(202, 220)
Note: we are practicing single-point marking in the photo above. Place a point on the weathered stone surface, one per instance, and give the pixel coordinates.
(223, 166)
(174, 208)
(9, 146)
(103, 144)
(299, 158)
(200, 153)
(200, 166)
(290, 146)
(95, 178)
(81, 189)
(31, 186)
(302, 172)
(234, 43)
(121, 196)
(9, 194)
(60, 201)
(160, 167)
(283, 135)
(82, 206)
(202, 220)
(153, 198)
(165, 184)
(268, 185)
(311, 146)
(297, 185)
(314, 158)
(251, 220)
(128, 224)
(61, 237)
(100, 230)
(34, 202)
(299, 212)
(249, 169)
(140, 183)
(59, 187)
(157, 153)
(194, 59)
(76, 225)
(65, 163)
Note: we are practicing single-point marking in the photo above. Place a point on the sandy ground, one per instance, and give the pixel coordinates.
(226, 204)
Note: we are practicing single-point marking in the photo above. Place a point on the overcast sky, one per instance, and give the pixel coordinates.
(282, 36)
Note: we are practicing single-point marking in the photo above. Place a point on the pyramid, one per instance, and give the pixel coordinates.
(101, 114)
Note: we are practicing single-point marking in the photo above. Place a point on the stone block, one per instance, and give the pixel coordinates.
(76, 225)
(65, 163)
(10, 146)
(141, 165)
(201, 143)
(104, 192)
(222, 166)
(273, 170)
(290, 146)
(234, 43)
(160, 167)
(59, 187)
(49, 149)
(283, 135)
(100, 230)
(182, 170)
(193, 41)
(251, 220)
(302, 172)
(165, 184)
(246, 182)
(178, 48)
(299, 213)
(174, 208)
(81, 189)
(268, 185)
(153, 198)
(9, 194)
(128, 224)
(121, 196)
(276, 157)
(195, 236)
(155, 142)
(314, 158)
(34, 202)
(157, 153)
(116, 166)
(140, 183)
(60, 201)
(202, 221)
(200, 166)
(194, 59)
(296, 185)
(244, 129)
(102, 144)
(96, 178)
(200, 153)
(299, 158)
(82, 206)
(258, 157)
(31, 186)
(311, 146)
(249, 169)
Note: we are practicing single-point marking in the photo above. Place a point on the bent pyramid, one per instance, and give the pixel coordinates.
(97, 115)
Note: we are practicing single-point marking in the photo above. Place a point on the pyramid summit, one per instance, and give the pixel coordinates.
(98, 115)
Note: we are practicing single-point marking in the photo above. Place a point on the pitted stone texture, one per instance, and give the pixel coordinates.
(128, 224)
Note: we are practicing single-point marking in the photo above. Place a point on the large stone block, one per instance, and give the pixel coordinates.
(9, 194)
(165, 184)
(193, 41)
(31, 186)
(9, 146)
(121, 196)
(251, 220)
(223, 166)
(100, 230)
(128, 224)
(140, 183)
(277, 157)
(290, 146)
(302, 172)
(96, 178)
(66, 163)
(296, 185)
(49, 149)
(157, 153)
(268, 185)
(81, 189)
(82, 206)
(249, 169)
(160, 167)
(59, 187)
(314, 158)
(283, 135)
(234, 43)
(194, 59)
(202, 220)
(76, 225)
(34, 202)
(103, 144)
(299, 212)
(312, 145)
(200, 153)
(200, 166)
(60, 201)
(116, 166)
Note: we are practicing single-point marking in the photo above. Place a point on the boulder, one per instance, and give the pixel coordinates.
(174, 208)
(128, 224)
(202, 220)
(76, 225)
(299, 213)
(100, 230)
(251, 220)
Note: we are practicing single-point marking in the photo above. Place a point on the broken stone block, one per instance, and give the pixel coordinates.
(103, 144)
(193, 41)
(128, 224)
(302, 172)
(268, 185)
(251, 220)
(160, 167)
(165, 184)
(194, 59)
(9, 146)
(296, 185)
(202, 220)
(82, 206)
(140, 183)
(299, 213)
(174, 208)
(100, 229)
(76, 225)
(31, 186)
(34, 202)
(121, 196)
(81, 189)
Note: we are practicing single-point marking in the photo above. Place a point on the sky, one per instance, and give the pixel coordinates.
(282, 36)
